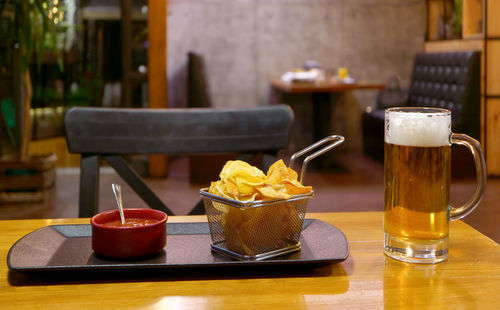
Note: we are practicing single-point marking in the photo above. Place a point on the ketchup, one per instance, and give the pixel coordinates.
(131, 222)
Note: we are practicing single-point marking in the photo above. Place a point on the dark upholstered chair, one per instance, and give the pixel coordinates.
(449, 80)
(111, 133)
(202, 168)
(198, 94)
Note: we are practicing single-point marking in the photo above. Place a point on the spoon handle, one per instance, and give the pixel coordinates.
(117, 190)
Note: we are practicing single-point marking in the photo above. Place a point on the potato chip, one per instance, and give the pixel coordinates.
(238, 181)
(262, 228)
(295, 188)
(270, 192)
(278, 173)
(241, 181)
(232, 222)
(249, 230)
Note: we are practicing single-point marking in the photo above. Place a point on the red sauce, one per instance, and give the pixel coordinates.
(131, 222)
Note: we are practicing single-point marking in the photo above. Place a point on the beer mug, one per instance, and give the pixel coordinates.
(417, 164)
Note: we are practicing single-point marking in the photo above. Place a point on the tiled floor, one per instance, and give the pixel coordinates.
(357, 188)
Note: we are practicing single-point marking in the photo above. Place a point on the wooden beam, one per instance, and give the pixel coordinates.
(157, 72)
(472, 21)
(126, 44)
(453, 45)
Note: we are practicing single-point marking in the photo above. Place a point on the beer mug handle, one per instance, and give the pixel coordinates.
(474, 146)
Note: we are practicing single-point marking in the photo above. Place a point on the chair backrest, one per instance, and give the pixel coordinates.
(198, 93)
(449, 80)
(109, 133)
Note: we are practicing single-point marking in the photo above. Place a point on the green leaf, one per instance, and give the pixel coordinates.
(32, 28)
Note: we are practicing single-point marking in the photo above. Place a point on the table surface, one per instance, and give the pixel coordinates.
(469, 279)
(323, 87)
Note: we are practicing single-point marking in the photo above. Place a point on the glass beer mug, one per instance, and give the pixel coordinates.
(417, 152)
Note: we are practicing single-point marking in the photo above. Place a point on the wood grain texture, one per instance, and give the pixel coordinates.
(472, 22)
(157, 73)
(434, 11)
(453, 45)
(323, 87)
(476, 36)
(493, 107)
(493, 69)
(492, 134)
(366, 280)
(493, 26)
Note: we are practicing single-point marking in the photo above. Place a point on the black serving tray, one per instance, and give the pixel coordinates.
(68, 247)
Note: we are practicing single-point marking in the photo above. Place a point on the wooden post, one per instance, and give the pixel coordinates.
(157, 71)
(26, 138)
(126, 44)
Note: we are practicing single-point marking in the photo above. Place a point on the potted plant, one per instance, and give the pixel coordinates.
(29, 33)
(30, 30)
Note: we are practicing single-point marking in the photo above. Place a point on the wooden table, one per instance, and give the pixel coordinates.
(323, 96)
(323, 87)
(470, 279)
(320, 92)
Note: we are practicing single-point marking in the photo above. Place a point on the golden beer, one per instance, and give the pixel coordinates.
(417, 173)
(417, 182)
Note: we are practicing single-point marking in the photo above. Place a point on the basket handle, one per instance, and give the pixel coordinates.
(336, 141)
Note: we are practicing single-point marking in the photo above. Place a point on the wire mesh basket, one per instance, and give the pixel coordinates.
(260, 229)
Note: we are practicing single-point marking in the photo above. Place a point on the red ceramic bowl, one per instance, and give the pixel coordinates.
(128, 242)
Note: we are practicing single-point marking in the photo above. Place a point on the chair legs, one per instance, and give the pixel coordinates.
(199, 209)
(128, 174)
(89, 185)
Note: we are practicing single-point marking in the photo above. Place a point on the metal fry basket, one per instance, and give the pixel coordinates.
(261, 229)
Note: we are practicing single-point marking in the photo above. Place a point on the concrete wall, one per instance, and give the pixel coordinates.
(246, 42)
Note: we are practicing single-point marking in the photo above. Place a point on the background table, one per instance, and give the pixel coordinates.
(470, 279)
(323, 96)
(321, 101)
(323, 87)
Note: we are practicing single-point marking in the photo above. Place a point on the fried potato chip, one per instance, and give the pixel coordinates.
(238, 181)
(295, 188)
(266, 228)
(244, 182)
(250, 230)
(270, 192)
(279, 174)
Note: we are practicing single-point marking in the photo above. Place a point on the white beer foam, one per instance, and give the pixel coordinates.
(418, 129)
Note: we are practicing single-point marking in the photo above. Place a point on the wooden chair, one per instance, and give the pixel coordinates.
(109, 134)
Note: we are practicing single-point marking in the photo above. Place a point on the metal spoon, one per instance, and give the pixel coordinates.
(117, 190)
